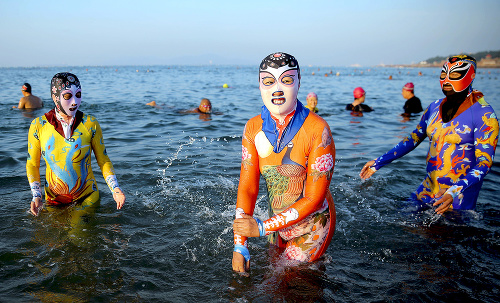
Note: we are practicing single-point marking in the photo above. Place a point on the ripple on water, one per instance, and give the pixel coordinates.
(173, 238)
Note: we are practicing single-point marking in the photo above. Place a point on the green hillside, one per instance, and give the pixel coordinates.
(478, 56)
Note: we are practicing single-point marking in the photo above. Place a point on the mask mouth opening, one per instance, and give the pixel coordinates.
(447, 86)
(278, 101)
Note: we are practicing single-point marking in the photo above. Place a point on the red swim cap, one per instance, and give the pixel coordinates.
(409, 86)
(358, 92)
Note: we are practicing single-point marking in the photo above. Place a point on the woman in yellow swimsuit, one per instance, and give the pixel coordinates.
(65, 138)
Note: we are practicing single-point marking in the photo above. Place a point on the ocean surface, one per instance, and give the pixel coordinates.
(172, 241)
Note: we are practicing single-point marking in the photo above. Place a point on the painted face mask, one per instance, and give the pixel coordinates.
(66, 93)
(459, 72)
(279, 78)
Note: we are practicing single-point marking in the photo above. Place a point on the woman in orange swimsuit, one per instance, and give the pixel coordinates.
(293, 149)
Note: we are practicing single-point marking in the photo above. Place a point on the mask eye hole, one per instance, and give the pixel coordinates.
(267, 81)
(67, 96)
(442, 76)
(455, 75)
(78, 94)
(287, 80)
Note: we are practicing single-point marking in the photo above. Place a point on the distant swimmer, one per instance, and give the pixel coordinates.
(152, 103)
(463, 133)
(29, 101)
(412, 104)
(65, 137)
(204, 110)
(205, 107)
(293, 149)
(357, 105)
(312, 102)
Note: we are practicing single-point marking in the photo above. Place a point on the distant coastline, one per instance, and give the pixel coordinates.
(485, 59)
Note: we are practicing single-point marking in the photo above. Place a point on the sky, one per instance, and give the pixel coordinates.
(318, 33)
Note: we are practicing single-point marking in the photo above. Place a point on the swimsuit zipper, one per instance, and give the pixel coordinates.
(283, 135)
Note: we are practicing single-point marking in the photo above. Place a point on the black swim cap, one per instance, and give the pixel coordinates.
(26, 88)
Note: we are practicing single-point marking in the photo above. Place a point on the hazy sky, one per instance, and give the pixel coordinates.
(327, 33)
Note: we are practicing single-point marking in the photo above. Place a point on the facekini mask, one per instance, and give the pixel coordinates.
(459, 72)
(66, 93)
(279, 78)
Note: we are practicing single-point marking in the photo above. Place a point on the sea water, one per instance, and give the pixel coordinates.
(172, 241)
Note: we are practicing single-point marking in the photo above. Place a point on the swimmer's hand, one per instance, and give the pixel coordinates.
(119, 197)
(246, 226)
(445, 201)
(36, 206)
(239, 264)
(367, 171)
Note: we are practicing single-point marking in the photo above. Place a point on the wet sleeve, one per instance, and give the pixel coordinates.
(406, 145)
(33, 161)
(485, 142)
(102, 156)
(248, 187)
(321, 161)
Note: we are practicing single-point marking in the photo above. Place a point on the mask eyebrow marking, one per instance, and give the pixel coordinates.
(288, 70)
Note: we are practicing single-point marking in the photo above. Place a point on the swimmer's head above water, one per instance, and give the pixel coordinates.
(408, 90)
(359, 96)
(312, 99)
(66, 92)
(205, 106)
(457, 74)
(26, 88)
(358, 93)
(279, 82)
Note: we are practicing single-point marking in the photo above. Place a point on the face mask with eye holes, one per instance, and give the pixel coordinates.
(458, 74)
(279, 91)
(66, 92)
(69, 101)
(279, 82)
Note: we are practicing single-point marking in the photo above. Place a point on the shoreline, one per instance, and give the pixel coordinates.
(432, 65)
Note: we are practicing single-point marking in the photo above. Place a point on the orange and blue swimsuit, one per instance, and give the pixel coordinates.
(69, 177)
(296, 161)
(460, 153)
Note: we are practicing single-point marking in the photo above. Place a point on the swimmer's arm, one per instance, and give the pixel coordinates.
(33, 165)
(101, 156)
(21, 104)
(248, 190)
(248, 187)
(106, 166)
(190, 111)
(408, 144)
(368, 170)
(36, 206)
